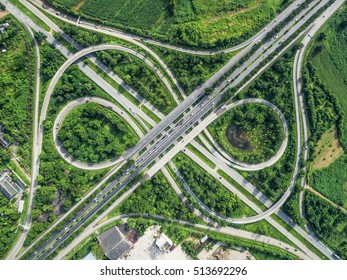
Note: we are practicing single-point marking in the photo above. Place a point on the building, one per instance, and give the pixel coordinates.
(203, 240)
(19, 181)
(6, 188)
(89, 257)
(21, 206)
(2, 30)
(164, 243)
(114, 244)
(3, 141)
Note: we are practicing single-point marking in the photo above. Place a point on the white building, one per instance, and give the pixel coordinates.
(164, 243)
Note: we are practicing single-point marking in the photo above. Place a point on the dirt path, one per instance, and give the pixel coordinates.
(322, 196)
(21, 169)
(3, 13)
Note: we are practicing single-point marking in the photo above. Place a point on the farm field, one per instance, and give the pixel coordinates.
(328, 57)
(197, 23)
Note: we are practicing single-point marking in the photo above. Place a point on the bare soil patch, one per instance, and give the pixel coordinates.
(328, 149)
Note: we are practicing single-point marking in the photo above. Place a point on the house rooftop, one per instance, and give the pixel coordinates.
(114, 244)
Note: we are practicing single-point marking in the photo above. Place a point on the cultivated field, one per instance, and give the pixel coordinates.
(328, 149)
(198, 23)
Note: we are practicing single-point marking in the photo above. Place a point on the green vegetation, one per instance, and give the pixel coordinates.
(292, 205)
(156, 197)
(261, 255)
(139, 76)
(30, 14)
(5, 157)
(9, 218)
(52, 59)
(332, 181)
(60, 185)
(328, 222)
(17, 71)
(329, 56)
(131, 69)
(325, 88)
(325, 80)
(197, 23)
(212, 193)
(204, 158)
(250, 133)
(92, 133)
(275, 86)
(192, 70)
(321, 105)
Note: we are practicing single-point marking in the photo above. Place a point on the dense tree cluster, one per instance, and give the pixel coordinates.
(275, 85)
(5, 157)
(83, 37)
(138, 75)
(60, 185)
(209, 190)
(16, 85)
(92, 133)
(156, 197)
(328, 222)
(51, 61)
(9, 217)
(320, 104)
(259, 124)
(292, 207)
(189, 69)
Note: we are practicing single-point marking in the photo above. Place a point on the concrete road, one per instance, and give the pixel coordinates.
(150, 157)
(55, 28)
(253, 166)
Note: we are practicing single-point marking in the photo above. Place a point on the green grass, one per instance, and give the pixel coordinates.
(201, 156)
(149, 113)
(331, 76)
(197, 23)
(299, 237)
(242, 190)
(211, 192)
(329, 223)
(31, 15)
(332, 181)
(192, 70)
